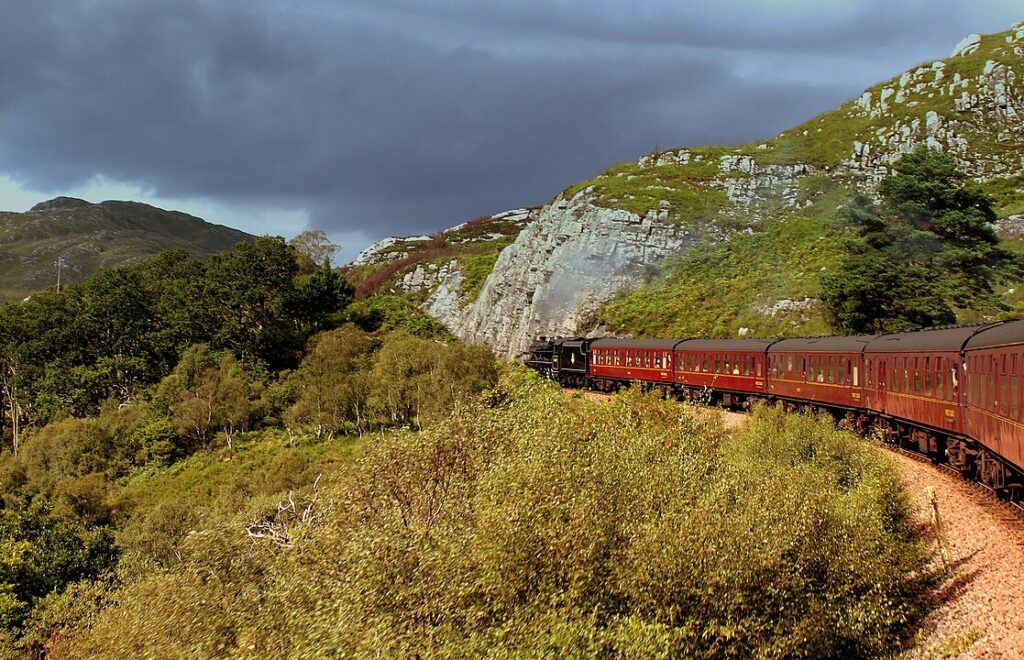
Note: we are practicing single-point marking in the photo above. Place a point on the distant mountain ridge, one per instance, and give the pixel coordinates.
(89, 236)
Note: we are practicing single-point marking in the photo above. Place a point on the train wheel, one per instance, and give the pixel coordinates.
(961, 458)
(992, 473)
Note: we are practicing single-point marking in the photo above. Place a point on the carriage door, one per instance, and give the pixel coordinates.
(880, 387)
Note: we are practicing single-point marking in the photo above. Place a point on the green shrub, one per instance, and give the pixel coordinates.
(542, 524)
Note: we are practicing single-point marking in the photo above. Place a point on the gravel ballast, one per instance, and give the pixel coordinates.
(980, 606)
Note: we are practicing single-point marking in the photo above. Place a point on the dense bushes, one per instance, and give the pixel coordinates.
(536, 524)
(121, 330)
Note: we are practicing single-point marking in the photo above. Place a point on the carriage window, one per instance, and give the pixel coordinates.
(657, 361)
(704, 362)
(831, 370)
(989, 394)
(979, 382)
(746, 365)
(759, 366)
(617, 358)
(856, 376)
(1004, 390)
(647, 359)
(975, 382)
(736, 365)
(1014, 396)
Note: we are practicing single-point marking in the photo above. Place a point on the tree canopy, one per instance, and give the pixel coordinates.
(123, 329)
(927, 250)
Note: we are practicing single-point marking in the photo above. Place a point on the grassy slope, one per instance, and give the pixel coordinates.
(475, 245)
(718, 288)
(96, 236)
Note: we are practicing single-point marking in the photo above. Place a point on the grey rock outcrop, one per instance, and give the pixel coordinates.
(574, 258)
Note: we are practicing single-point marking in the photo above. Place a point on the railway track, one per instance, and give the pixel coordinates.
(1014, 508)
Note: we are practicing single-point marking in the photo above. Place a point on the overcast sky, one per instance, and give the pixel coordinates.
(368, 118)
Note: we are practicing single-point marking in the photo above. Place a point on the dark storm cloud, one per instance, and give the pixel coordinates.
(395, 116)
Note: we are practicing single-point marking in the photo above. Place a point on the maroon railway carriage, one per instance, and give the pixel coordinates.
(823, 370)
(916, 376)
(614, 361)
(730, 366)
(992, 400)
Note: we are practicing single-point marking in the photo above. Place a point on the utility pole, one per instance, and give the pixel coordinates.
(60, 266)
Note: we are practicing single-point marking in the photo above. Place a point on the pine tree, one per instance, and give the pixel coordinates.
(929, 249)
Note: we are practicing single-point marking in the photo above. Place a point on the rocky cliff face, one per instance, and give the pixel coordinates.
(561, 268)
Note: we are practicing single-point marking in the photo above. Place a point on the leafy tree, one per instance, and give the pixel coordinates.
(929, 249)
(246, 292)
(387, 314)
(333, 382)
(41, 553)
(318, 296)
(314, 248)
(416, 381)
(208, 392)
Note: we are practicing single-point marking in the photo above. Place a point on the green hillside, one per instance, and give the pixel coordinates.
(92, 236)
(766, 279)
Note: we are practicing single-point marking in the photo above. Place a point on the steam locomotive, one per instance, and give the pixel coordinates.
(952, 393)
